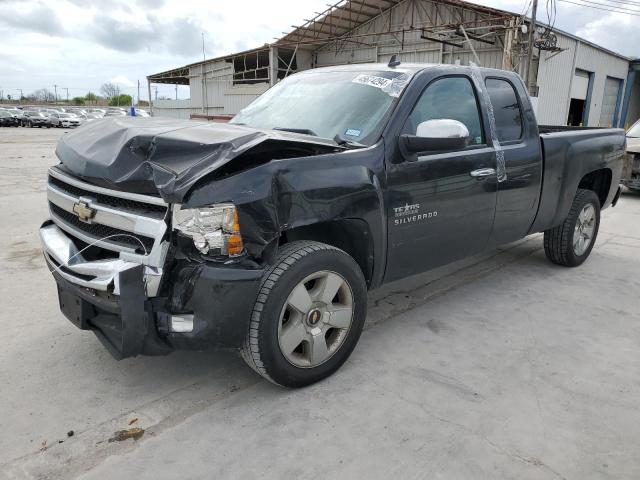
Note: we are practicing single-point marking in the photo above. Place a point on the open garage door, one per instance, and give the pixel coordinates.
(579, 104)
(610, 102)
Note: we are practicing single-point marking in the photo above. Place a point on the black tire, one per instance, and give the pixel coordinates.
(296, 261)
(558, 241)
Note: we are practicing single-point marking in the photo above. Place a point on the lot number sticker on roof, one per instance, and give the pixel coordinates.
(372, 81)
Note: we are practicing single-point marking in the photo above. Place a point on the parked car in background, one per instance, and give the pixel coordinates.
(64, 120)
(93, 116)
(140, 113)
(631, 169)
(8, 120)
(115, 113)
(15, 112)
(36, 119)
(96, 111)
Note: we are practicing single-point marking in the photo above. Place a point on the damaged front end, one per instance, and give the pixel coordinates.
(151, 271)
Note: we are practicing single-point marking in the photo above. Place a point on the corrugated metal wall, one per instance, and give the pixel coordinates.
(172, 108)
(412, 48)
(556, 72)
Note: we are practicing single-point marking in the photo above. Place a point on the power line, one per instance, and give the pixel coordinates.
(624, 2)
(601, 8)
(611, 6)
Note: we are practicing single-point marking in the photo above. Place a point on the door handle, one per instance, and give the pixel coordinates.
(482, 172)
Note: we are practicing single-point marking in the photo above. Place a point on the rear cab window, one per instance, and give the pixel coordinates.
(506, 109)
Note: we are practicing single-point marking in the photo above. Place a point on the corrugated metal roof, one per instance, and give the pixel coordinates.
(338, 22)
(346, 15)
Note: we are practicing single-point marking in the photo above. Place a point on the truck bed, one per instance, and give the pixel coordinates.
(565, 128)
(568, 155)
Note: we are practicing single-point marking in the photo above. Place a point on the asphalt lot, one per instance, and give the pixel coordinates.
(499, 366)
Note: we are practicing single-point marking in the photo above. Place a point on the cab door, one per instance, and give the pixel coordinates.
(441, 205)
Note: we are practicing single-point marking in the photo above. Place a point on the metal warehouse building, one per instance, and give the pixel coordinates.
(575, 81)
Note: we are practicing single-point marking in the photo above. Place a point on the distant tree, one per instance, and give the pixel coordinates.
(123, 100)
(77, 100)
(91, 97)
(110, 90)
(43, 95)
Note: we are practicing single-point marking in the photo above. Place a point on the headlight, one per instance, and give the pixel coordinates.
(213, 229)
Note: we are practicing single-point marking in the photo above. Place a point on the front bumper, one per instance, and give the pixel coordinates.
(130, 306)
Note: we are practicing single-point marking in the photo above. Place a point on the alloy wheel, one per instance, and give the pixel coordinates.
(315, 319)
(583, 232)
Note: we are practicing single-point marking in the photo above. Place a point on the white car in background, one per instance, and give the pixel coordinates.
(631, 166)
(64, 120)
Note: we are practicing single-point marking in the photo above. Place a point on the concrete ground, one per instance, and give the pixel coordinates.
(499, 366)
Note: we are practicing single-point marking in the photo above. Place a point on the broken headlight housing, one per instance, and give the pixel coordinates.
(213, 229)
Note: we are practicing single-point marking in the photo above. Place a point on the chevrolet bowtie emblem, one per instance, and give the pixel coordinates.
(84, 211)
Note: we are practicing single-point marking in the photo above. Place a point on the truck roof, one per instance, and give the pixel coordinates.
(410, 68)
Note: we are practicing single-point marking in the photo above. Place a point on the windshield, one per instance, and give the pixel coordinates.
(634, 131)
(352, 105)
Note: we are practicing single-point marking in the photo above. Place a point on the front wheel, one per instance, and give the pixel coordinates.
(308, 315)
(571, 242)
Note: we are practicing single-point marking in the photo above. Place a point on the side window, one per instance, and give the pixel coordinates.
(451, 98)
(506, 109)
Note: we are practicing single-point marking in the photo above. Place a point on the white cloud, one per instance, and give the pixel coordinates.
(122, 81)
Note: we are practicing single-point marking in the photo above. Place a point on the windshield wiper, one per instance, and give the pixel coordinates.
(304, 131)
(340, 140)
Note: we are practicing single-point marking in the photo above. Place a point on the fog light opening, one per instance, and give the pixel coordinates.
(182, 323)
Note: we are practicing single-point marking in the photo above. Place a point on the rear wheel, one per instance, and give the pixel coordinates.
(308, 315)
(570, 243)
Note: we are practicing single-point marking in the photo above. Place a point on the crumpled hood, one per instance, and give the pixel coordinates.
(161, 156)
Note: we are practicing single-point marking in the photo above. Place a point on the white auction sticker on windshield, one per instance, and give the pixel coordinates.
(372, 81)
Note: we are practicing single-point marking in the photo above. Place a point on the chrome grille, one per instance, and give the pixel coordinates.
(117, 202)
(141, 245)
(130, 226)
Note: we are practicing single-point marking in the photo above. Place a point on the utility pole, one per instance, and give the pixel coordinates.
(149, 90)
(21, 96)
(205, 100)
(176, 92)
(67, 94)
(138, 93)
(55, 89)
(532, 33)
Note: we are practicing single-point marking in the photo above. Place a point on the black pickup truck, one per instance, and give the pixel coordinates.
(265, 234)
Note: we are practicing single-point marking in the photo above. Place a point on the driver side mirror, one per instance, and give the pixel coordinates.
(436, 135)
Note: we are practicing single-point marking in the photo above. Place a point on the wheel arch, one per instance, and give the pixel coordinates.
(353, 235)
(598, 181)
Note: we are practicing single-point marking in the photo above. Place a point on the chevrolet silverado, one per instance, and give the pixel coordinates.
(265, 234)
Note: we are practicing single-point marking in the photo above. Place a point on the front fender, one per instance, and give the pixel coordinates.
(281, 195)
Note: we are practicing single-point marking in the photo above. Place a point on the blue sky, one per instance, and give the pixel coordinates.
(81, 44)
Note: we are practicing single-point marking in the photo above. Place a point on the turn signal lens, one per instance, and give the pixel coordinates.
(235, 246)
